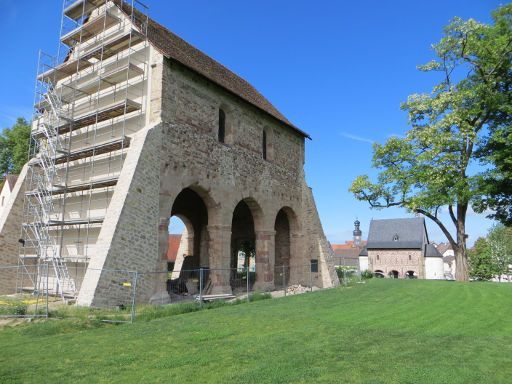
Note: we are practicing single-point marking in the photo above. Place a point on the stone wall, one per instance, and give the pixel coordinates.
(128, 239)
(401, 260)
(10, 230)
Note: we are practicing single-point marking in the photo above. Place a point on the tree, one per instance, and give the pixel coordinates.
(14, 147)
(481, 265)
(430, 167)
(496, 151)
(500, 248)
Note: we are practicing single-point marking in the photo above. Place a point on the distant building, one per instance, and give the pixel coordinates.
(400, 248)
(347, 255)
(6, 191)
(446, 250)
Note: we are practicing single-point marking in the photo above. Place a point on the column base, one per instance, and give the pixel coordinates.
(263, 286)
(221, 290)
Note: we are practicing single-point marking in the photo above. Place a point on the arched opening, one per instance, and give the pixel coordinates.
(222, 126)
(393, 274)
(188, 242)
(379, 274)
(282, 251)
(410, 275)
(243, 248)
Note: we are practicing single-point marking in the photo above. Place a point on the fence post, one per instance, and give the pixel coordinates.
(284, 279)
(201, 287)
(46, 290)
(134, 293)
(247, 282)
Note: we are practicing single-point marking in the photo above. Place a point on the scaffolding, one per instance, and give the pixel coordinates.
(89, 101)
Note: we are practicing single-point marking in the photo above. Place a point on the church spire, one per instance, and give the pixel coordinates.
(357, 234)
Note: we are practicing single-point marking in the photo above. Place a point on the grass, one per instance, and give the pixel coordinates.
(386, 331)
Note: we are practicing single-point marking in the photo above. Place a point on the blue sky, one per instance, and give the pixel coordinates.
(337, 69)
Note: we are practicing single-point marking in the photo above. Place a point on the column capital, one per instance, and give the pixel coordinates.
(219, 227)
(265, 232)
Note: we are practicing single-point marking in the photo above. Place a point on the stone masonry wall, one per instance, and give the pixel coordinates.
(128, 238)
(398, 260)
(10, 229)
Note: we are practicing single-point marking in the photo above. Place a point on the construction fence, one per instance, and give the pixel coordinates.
(124, 296)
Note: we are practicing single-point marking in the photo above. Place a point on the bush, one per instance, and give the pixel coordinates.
(366, 274)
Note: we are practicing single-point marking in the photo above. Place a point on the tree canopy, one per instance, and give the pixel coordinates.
(432, 166)
(14, 147)
(491, 256)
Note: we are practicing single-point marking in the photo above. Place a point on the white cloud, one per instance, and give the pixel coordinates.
(357, 138)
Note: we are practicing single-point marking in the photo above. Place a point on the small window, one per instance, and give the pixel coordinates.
(264, 145)
(395, 238)
(377, 257)
(314, 265)
(410, 258)
(222, 126)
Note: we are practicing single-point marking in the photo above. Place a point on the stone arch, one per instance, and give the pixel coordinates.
(379, 273)
(190, 207)
(246, 220)
(286, 224)
(394, 274)
(411, 275)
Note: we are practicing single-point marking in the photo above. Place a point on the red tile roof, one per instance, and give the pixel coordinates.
(173, 246)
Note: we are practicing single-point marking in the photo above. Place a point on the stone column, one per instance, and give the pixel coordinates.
(265, 260)
(160, 294)
(299, 265)
(219, 252)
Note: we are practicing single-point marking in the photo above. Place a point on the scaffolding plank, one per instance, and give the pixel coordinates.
(81, 8)
(56, 223)
(93, 150)
(106, 80)
(90, 29)
(100, 149)
(109, 112)
(94, 184)
(102, 52)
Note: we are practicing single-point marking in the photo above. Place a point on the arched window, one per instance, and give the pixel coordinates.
(264, 145)
(377, 257)
(395, 238)
(410, 258)
(222, 126)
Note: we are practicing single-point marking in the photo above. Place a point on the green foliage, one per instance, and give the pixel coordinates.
(430, 167)
(500, 247)
(367, 274)
(496, 151)
(14, 147)
(480, 261)
(491, 256)
(14, 307)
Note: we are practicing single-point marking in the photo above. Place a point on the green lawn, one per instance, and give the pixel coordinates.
(386, 331)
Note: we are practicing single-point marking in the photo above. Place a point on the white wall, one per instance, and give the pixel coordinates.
(434, 268)
(363, 263)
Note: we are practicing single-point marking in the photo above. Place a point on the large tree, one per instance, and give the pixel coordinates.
(14, 147)
(496, 151)
(430, 168)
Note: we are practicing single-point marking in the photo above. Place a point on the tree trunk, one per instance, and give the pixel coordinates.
(461, 259)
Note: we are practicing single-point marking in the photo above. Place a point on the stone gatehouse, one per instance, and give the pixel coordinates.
(213, 152)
